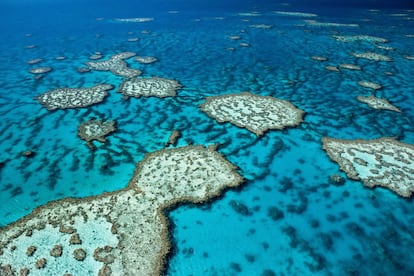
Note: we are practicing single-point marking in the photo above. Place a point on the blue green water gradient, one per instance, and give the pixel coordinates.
(287, 219)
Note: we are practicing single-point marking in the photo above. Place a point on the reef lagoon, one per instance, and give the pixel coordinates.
(206, 137)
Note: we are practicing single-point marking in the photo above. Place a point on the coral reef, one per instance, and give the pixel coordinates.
(253, 112)
(116, 65)
(372, 56)
(369, 84)
(172, 140)
(34, 61)
(329, 24)
(95, 130)
(134, 20)
(382, 162)
(145, 60)
(349, 66)
(147, 87)
(124, 231)
(298, 14)
(353, 38)
(63, 98)
(378, 103)
(319, 58)
(41, 70)
(261, 26)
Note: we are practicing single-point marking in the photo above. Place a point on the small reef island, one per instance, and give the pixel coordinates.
(123, 232)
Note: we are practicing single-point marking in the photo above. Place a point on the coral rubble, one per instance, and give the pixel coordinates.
(382, 162)
(253, 112)
(63, 98)
(124, 231)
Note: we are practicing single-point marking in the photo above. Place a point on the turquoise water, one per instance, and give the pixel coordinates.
(287, 219)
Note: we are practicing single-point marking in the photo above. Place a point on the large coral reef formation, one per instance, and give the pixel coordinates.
(123, 232)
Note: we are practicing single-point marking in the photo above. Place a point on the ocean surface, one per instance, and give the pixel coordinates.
(288, 218)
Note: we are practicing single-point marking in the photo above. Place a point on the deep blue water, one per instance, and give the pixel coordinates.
(321, 229)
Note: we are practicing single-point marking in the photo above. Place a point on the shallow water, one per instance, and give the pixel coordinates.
(287, 218)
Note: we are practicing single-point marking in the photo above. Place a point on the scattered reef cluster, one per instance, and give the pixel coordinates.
(127, 231)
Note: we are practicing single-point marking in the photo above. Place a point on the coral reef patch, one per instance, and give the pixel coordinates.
(63, 98)
(116, 64)
(147, 87)
(253, 112)
(95, 130)
(382, 162)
